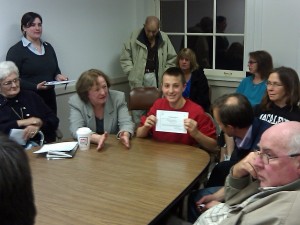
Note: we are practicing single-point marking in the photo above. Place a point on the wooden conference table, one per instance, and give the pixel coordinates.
(116, 185)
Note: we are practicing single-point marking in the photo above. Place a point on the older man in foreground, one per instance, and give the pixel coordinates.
(263, 188)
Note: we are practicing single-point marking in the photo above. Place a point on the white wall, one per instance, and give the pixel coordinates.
(273, 25)
(281, 31)
(90, 33)
(85, 34)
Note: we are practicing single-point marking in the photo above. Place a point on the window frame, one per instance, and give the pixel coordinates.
(255, 6)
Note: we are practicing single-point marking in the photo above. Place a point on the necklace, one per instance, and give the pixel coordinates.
(20, 116)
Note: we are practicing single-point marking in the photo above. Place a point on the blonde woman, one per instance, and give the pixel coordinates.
(196, 88)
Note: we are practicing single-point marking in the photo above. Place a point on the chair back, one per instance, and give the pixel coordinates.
(142, 98)
(214, 156)
(218, 129)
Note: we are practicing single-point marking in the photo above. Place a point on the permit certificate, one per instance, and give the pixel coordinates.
(171, 121)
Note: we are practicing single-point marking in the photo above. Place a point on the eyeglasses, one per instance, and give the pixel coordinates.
(251, 62)
(9, 83)
(273, 84)
(266, 158)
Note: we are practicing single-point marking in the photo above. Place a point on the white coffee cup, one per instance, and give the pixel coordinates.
(84, 138)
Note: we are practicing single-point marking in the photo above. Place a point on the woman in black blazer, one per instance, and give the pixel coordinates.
(197, 88)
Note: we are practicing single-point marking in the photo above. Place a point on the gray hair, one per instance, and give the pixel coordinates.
(294, 144)
(7, 68)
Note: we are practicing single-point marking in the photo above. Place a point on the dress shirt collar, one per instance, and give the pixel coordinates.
(246, 142)
(29, 45)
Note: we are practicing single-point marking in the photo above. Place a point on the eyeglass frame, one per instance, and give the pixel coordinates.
(266, 158)
(252, 62)
(273, 84)
(9, 83)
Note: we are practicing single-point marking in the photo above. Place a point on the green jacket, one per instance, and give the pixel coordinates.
(134, 57)
(280, 205)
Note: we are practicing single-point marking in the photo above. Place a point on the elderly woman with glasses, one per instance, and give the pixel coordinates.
(23, 109)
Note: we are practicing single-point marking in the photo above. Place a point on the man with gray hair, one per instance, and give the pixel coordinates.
(264, 187)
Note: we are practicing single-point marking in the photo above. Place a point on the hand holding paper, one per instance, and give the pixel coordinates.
(150, 121)
(191, 126)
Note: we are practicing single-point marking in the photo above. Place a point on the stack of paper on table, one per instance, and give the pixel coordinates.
(59, 150)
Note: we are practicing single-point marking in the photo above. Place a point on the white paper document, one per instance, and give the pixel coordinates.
(58, 147)
(50, 83)
(17, 136)
(171, 121)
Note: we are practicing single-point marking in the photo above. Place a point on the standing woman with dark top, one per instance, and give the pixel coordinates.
(196, 88)
(36, 60)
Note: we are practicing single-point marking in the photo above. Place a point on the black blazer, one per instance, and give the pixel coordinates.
(199, 92)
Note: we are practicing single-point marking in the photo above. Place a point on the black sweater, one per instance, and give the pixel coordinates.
(32, 106)
(34, 69)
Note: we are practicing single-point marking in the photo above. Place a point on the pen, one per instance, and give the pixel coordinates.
(66, 83)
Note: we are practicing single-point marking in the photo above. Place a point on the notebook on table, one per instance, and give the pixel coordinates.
(61, 150)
